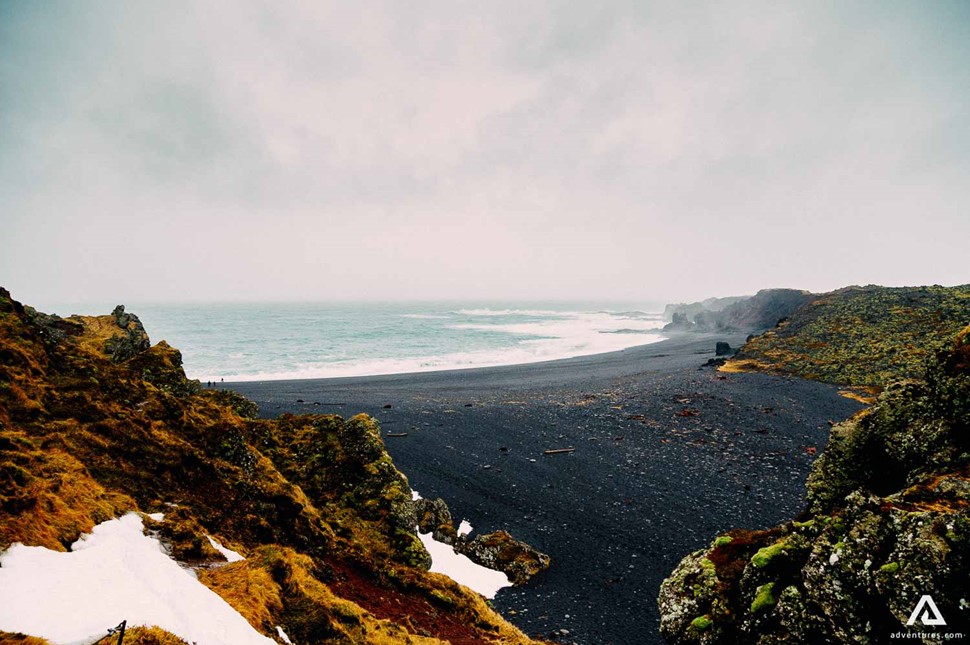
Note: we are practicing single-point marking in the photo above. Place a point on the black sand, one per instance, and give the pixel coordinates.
(667, 455)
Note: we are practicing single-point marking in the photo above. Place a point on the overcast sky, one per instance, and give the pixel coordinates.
(565, 150)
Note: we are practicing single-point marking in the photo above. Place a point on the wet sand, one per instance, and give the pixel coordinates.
(667, 454)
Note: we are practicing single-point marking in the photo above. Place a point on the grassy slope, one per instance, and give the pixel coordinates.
(313, 501)
(860, 336)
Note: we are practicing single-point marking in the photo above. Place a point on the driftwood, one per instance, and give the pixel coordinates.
(558, 451)
(397, 434)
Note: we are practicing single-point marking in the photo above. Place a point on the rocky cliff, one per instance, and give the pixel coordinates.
(863, 336)
(96, 422)
(887, 524)
(758, 312)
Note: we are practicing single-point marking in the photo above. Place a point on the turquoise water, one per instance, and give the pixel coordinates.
(251, 342)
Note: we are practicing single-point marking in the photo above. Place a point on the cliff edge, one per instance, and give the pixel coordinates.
(96, 422)
(887, 527)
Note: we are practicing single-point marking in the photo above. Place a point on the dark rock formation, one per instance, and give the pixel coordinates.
(758, 312)
(502, 552)
(498, 550)
(692, 309)
(763, 310)
(435, 518)
(133, 339)
(722, 348)
(862, 336)
(679, 322)
(888, 523)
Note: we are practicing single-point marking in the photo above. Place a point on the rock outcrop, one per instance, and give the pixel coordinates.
(755, 313)
(692, 309)
(501, 551)
(497, 550)
(95, 422)
(887, 524)
(860, 336)
(722, 348)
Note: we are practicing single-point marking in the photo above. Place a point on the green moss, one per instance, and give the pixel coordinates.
(890, 567)
(85, 437)
(442, 598)
(723, 540)
(862, 336)
(764, 556)
(764, 598)
(701, 623)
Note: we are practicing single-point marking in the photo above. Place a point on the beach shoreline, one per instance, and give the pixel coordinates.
(667, 454)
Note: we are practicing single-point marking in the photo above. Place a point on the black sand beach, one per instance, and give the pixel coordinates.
(667, 454)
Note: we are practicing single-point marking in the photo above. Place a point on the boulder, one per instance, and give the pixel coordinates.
(502, 552)
(435, 518)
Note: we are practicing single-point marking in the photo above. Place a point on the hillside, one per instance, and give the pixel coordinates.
(95, 423)
(887, 524)
(860, 336)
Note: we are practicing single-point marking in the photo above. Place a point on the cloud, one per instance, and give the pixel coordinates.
(623, 150)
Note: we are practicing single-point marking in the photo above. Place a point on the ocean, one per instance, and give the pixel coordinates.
(261, 342)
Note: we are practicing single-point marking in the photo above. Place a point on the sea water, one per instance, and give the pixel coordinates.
(273, 341)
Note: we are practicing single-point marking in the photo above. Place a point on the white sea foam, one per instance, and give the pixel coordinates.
(263, 343)
(512, 312)
(527, 351)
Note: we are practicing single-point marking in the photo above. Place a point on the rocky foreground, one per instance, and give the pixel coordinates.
(96, 422)
(887, 524)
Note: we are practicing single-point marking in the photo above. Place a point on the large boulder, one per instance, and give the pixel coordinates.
(502, 552)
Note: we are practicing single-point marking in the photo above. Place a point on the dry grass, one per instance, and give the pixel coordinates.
(148, 636)
(865, 395)
(734, 366)
(56, 500)
(7, 638)
(277, 586)
(97, 331)
(84, 439)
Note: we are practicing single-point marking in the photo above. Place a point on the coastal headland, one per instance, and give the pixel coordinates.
(666, 453)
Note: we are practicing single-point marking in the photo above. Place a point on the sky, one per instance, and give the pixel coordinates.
(244, 150)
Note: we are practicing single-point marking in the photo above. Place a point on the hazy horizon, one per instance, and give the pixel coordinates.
(442, 152)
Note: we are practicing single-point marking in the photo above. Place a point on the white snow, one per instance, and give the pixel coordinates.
(158, 517)
(228, 554)
(459, 567)
(462, 570)
(116, 573)
(283, 636)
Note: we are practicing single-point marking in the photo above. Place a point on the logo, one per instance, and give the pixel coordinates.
(927, 613)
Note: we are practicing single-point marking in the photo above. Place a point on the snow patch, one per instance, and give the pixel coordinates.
(282, 634)
(228, 554)
(114, 573)
(462, 570)
(158, 517)
(459, 567)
